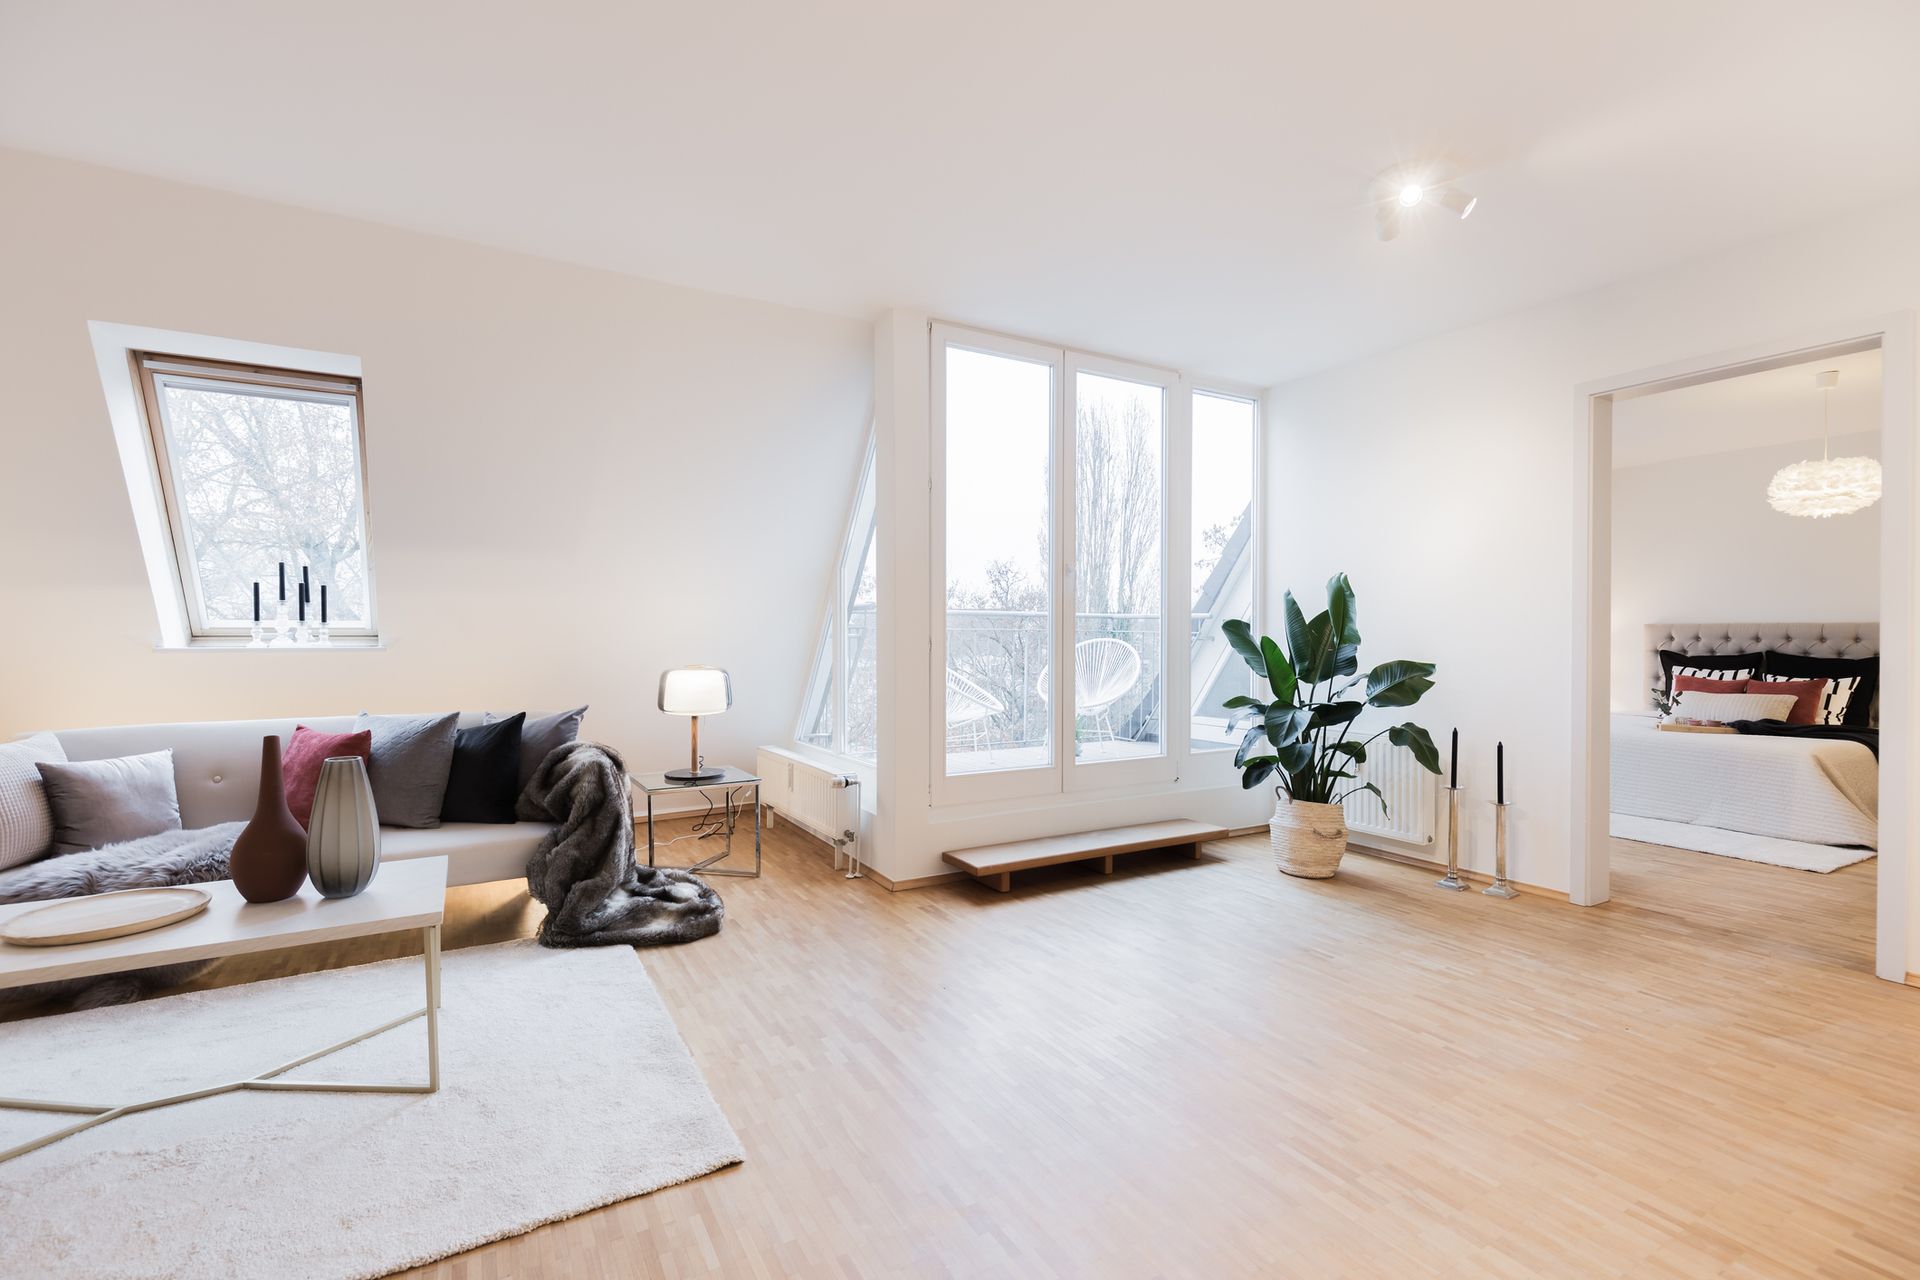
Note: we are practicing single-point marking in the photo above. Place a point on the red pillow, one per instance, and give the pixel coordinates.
(1700, 684)
(300, 763)
(1807, 695)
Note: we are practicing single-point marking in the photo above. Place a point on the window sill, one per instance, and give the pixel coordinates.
(224, 644)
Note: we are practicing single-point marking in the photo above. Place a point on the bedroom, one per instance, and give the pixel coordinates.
(1744, 663)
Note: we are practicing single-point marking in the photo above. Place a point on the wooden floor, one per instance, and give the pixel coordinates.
(1211, 1070)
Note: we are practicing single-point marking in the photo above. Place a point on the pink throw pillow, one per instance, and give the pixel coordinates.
(300, 763)
(1807, 695)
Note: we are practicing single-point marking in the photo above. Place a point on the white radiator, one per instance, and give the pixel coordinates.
(811, 796)
(1410, 792)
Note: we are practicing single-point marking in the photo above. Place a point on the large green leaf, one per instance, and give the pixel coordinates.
(1251, 745)
(1280, 675)
(1286, 724)
(1346, 660)
(1296, 634)
(1296, 757)
(1398, 684)
(1257, 771)
(1240, 635)
(1357, 750)
(1242, 700)
(1341, 609)
(1313, 659)
(1326, 713)
(1415, 739)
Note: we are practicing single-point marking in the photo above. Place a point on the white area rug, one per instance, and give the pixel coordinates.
(564, 1086)
(1736, 844)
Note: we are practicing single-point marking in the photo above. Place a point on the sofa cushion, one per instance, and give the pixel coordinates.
(476, 852)
(300, 764)
(26, 823)
(412, 756)
(540, 735)
(483, 783)
(102, 802)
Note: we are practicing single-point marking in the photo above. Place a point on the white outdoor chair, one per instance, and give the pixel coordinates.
(970, 708)
(1104, 669)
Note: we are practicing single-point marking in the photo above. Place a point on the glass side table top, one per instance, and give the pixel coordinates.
(657, 782)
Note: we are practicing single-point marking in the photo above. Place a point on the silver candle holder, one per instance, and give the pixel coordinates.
(1452, 879)
(1501, 886)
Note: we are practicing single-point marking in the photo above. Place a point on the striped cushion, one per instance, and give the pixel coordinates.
(26, 821)
(1725, 708)
(1834, 702)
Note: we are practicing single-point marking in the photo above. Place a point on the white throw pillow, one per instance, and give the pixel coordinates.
(26, 821)
(1725, 708)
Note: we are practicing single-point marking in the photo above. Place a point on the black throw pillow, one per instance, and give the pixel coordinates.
(485, 779)
(1855, 680)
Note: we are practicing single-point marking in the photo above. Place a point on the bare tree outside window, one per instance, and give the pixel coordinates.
(259, 475)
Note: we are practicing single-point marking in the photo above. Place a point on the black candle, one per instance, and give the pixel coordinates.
(256, 601)
(306, 587)
(323, 604)
(303, 606)
(283, 582)
(1500, 772)
(1453, 779)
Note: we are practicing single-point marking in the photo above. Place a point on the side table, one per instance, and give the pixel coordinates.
(731, 783)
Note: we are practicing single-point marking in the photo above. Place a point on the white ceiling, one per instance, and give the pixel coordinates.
(1177, 183)
(1780, 406)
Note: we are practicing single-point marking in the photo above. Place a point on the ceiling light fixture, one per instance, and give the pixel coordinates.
(1831, 486)
(1399, 192)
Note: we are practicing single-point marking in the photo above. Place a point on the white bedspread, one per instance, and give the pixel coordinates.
(1818, 790)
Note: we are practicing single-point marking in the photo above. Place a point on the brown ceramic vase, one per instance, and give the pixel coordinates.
(269, 859)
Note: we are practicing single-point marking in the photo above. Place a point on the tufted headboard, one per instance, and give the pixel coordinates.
(1820, 639)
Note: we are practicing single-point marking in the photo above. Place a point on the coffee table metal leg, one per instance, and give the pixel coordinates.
(433, 1008)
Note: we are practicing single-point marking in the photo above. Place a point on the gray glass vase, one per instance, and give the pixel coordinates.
(343, 836)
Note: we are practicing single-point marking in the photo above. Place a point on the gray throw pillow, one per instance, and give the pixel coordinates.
(26, 823)
(539, 736)
(409, 764)
(101, 802)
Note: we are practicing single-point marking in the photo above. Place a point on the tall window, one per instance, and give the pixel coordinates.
(841, 711)
(1119, 449)
(260, 468)
(1222, 546)
(999, 412)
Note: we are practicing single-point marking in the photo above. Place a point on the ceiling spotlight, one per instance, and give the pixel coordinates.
(1455, 201)
(1411, 194)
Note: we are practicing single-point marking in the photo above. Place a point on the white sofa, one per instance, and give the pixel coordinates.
(216, 770)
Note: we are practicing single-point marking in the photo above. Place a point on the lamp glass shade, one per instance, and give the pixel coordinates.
(695, 691)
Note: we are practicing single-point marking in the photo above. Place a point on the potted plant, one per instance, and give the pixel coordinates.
(1305, 733)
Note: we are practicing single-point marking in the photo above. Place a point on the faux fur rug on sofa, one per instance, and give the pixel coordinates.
(169, 858)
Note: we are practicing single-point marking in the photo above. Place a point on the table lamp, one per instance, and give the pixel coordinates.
(695, 692)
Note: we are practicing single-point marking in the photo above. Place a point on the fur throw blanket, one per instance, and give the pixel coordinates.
(584, 872)
(169, 858)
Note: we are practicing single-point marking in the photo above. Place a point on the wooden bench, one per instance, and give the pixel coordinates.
(996, 863)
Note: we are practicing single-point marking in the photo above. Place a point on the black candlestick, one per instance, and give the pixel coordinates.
(1499, 773)
(306, 587)
(303, 608)
(256, 603)
(1453, 778)
(323, 604)
(283, 582)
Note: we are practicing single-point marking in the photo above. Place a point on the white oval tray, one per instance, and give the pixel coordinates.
(103, 915)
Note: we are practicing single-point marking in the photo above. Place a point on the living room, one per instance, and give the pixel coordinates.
(777, 642)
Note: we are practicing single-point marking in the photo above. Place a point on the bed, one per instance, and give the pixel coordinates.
(1807, 799)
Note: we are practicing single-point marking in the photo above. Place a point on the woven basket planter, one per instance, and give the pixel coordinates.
(1308, 839)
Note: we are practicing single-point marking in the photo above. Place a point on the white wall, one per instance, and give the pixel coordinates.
(1459, 485)
(578, 478)
(1695, 541)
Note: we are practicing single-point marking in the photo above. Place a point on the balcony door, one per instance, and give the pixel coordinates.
(1053, 549)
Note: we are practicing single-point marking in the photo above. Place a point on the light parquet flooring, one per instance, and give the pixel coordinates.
(1211, 1070)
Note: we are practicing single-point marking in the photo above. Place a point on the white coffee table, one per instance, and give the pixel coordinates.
(403, 896)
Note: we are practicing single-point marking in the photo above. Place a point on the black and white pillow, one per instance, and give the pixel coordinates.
(1852, 684)
(1708, 666)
